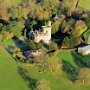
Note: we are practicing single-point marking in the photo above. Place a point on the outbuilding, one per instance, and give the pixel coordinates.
(84, 50)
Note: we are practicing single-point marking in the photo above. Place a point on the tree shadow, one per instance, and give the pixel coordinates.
(4, 22)
(71, 71)
(9, 48)
(24, 74)
(80, 60)
(19, 43)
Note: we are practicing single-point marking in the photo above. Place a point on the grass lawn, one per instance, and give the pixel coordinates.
(13, 77)
(85, 4)
(58, 81)
(9, 76)
(66, 56)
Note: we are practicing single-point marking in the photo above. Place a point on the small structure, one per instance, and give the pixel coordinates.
(84, 50)
(43, 35)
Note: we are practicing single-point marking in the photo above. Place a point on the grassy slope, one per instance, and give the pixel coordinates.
(12, 79)
(58, 81)
(9, 77)
(66, 56)
(85, 4)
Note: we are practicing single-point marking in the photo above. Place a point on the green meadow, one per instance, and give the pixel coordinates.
(57, 81)
(14, 76)
(23, 76)
(10, 79)
(85, 4)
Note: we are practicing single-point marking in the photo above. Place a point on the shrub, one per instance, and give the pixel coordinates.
(52, 46)
(42, 85)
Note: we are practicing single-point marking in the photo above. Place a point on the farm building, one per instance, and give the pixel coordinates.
(84, 50)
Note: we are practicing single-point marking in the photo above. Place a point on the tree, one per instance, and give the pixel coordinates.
(42, 14)
(71, 41)
(4, 35)
(3, 12)
(87, 21)
(4, 32)
(32, 24)
(86, 36)
(55, 26)
(31, 9)
(16, 27)
(13, 12)
(52, 46)
(51, 5)
(1, 25)
(42, 85)
(66, 43)
(79, 27)
(70, 5)
(74, 34)
(17, 54)
(83, 76)
(40, 46)
(51, 64)
(25, 32)
(32, 45)
(63, 25)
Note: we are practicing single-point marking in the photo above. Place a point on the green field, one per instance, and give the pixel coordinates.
(85, 4)
(9, 76)
(14, 76)
(58, 81)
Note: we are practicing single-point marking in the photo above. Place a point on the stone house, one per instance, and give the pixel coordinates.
(43, 35)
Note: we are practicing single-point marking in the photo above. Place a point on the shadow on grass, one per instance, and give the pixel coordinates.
(81, 61)
(30, 81)
(19, 43)
(70, 70)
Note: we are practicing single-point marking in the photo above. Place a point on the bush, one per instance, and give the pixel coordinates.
(31, 45)
(83, 76)
(55, 26)
(42, 85)
(52, 46)
(40, 46)
(51, 65)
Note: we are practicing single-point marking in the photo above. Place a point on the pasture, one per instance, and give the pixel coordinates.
(85, 4)
(9, 76)
(14, 76)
